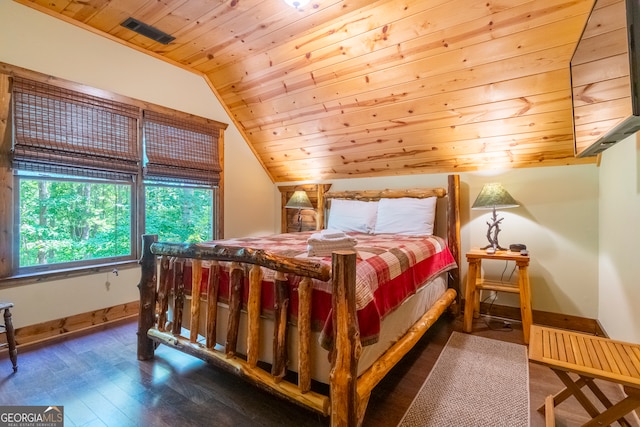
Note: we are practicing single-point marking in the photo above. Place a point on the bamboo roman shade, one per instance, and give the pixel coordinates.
(58, 130)
(181, 150)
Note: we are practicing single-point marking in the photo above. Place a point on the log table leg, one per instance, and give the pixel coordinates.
(525, 297)
(470, 294)
(11, 340)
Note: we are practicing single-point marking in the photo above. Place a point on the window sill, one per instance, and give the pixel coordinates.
(47, 276)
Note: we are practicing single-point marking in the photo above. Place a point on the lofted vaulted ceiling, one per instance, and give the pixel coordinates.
(353, 88)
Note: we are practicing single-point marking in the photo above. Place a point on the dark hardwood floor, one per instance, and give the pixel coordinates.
(99, 381)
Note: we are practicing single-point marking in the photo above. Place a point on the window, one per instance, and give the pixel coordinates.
(76, 157)
(181, 174)
(62, 221)
(179, 214)
(86, 176)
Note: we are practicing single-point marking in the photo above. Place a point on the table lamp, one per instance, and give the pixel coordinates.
(299, 200)
(494, 196)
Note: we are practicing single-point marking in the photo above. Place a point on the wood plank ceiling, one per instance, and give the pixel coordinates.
(353, 88)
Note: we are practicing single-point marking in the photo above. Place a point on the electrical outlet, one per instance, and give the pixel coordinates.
(494, 295)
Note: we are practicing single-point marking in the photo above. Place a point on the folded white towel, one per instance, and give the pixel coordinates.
(322, 250)
(319, 245)
(332, 234)
(320, 239)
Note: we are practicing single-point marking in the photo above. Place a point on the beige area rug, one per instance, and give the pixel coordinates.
(475, 382)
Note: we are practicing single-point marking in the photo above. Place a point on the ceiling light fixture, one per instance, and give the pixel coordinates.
(297, 3)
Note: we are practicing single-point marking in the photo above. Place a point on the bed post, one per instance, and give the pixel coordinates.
(453, 231)
(147, 287)
(347, 347)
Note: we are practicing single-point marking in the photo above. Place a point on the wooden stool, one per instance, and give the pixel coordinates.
(589, 357)
(7, 328)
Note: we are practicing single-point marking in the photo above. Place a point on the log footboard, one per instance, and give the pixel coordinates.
(154, 303)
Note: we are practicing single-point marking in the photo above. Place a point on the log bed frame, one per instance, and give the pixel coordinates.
(349, 394)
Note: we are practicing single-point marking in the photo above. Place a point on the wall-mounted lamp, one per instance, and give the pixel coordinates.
(494, 196)
(297, 3)
(299, 200)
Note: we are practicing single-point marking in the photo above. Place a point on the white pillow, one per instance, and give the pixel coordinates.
(406, 215)
(352, 215)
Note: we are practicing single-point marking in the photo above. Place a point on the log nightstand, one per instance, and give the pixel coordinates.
(475, 284)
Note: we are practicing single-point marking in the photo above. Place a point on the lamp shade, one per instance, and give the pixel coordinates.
(494, 196)
(299, 200)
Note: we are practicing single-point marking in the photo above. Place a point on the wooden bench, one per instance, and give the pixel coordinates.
(590, 357)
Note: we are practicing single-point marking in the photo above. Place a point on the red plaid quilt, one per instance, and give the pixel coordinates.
(389, 269)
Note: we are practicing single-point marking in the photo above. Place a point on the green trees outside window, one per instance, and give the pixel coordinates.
(179, 214)
(69, 221)
(63, 221)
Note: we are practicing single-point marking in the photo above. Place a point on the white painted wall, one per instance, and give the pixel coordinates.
(558, 221)
(35, 41)
(619, 302)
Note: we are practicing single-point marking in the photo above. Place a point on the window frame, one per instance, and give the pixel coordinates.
(9, 276)
(45, 268)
